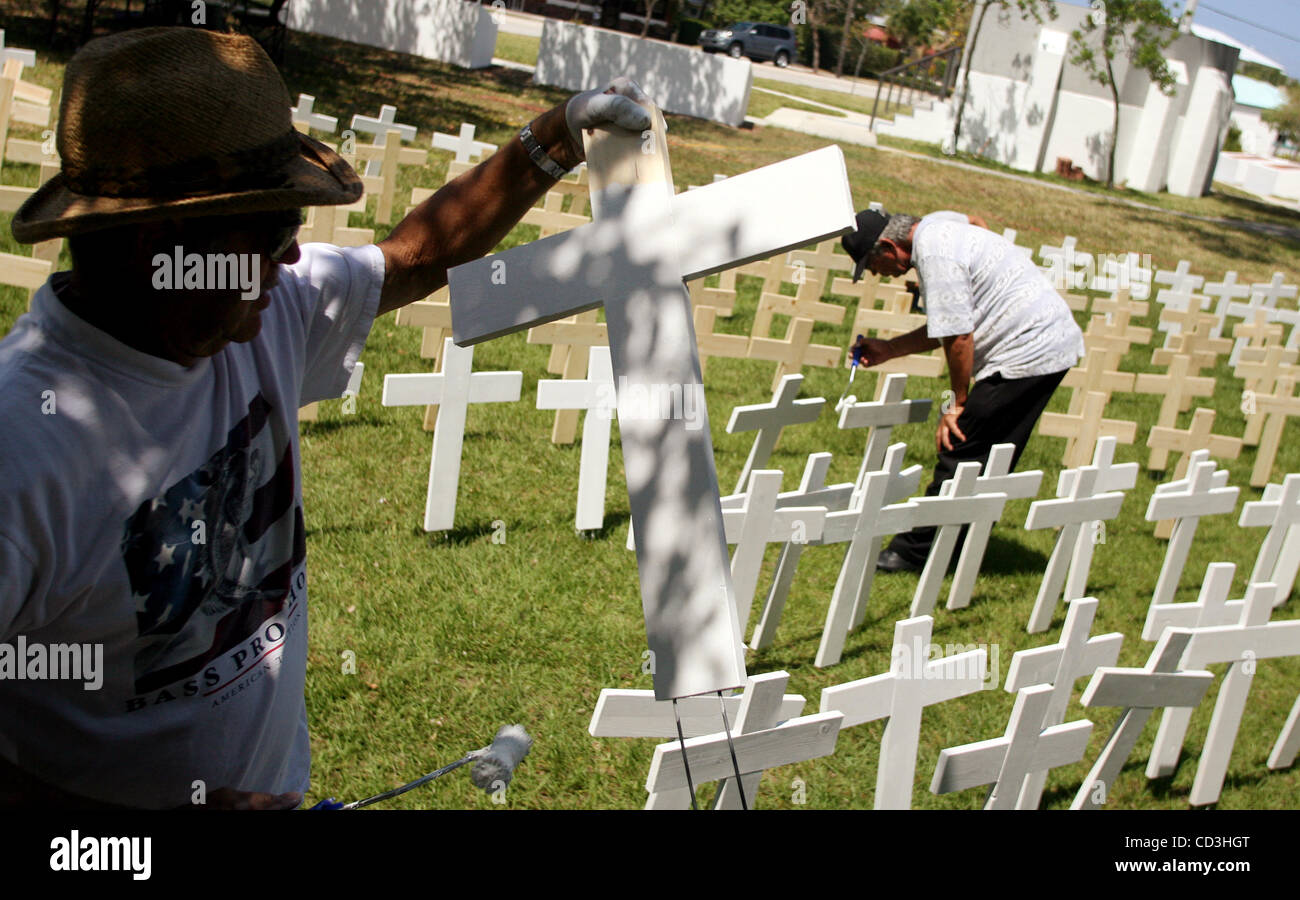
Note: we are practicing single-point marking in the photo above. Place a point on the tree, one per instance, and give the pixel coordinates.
(1026, 8)
(1286, 118)
(1141, 30)
(844, 38)
(916, 23)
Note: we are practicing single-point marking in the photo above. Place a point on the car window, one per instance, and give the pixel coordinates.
(783, 33)
(766, 31)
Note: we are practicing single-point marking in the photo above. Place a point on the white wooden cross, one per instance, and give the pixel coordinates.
(1182, 287)
(759, 743)
(758, 522)
(1073, 551)
(1125, 272)
(1075, 656)
(995, 480)
(305, 120)
(1242, 645)
(632, 260)
(768, 419)
(1287, 746)
(379, 126)
(1225, 293)
(812, 491)
(1272, 291)
(914, 681)
(637, 714)
(958, 503)
(1211, 608)
(453, 389)
(880, 416)
(1063, 262)
(1004, 762)
(1279, 555)
(1140, 692)
(26, 57)
(596, 395)
(1180, 505)
(463, 144)
(861, 525)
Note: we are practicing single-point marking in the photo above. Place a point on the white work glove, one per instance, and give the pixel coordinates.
(619, 104)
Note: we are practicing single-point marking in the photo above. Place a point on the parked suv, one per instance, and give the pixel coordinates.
(757, 41)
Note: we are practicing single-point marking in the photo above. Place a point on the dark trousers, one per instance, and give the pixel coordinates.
(998, 411)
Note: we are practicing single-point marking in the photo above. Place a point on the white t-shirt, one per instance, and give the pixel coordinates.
(975, 282)
(946, 215)
(157, 510)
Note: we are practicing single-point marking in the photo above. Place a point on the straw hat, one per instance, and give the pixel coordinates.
(177, 122)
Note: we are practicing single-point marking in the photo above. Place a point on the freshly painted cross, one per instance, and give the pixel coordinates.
(1279, 555)
(1242, 645)
(632, 260)
(1180, 505)
(1075, 656)
(463, 144)
(995, 480)
(595, 394)
(914, 681)
(880, 416)
(1140, 692)
(1004, 762)
(768, 419)
(305, 120)
(453, 389)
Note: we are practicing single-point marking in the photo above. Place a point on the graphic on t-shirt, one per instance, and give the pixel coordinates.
(211, 557)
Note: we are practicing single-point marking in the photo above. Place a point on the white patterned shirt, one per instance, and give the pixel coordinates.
(975, 282)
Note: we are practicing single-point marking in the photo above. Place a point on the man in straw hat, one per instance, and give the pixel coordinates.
(1000, 322)
(151, 513)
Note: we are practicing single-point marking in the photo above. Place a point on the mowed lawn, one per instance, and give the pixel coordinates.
(456, 634)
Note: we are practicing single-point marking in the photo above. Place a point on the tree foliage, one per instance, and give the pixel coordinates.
(1286, 118)
(1137, 29)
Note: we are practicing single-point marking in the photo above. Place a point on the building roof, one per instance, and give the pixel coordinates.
(1248, 54)
(1259, 94)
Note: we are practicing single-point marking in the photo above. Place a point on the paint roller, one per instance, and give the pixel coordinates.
(494, 766)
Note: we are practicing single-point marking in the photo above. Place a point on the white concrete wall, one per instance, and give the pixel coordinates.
(1257, 136)
(1197, 143)
(1082, 132)
(451, 31)
(681, 79)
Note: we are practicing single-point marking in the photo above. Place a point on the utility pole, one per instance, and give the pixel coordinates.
(1185, 23)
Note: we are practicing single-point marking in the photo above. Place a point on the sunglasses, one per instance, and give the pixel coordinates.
(282, 232)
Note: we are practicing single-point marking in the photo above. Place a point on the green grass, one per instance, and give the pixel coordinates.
(456, 634)
(517, 47)
(861, 102)
(1223, 202)
(763, 104)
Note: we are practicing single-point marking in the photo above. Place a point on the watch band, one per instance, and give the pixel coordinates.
(540, 156)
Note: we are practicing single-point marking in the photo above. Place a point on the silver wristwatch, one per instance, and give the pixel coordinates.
(540, 156)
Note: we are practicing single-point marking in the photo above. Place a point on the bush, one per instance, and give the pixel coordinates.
(1233, 141)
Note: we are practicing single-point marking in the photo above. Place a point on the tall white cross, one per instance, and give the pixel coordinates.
(303, 115)
(379, 126)
(1204, 492)
(453, 389)
(1073, 550)
(861, 525)
(1140, 692)
(632, 260)
(463, 144)
(596, 395)
(1242, 645)
(997, 479)
(914, 681)
(957, 504)
(812, 491)
(1075, 656)
(757, 523)
(880, 416)
(768, 419)
(1279, 556)
(1004, 762)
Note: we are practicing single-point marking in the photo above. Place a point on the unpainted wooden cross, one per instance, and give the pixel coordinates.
(379, 126)
(1198, 436)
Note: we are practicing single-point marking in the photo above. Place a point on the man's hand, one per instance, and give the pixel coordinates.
(874, 351)
(621, 104)
(948, 428)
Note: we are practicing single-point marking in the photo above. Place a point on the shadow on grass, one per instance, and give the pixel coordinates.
(329, 426)
(613, 521)
(1009, 557)
(461, 536)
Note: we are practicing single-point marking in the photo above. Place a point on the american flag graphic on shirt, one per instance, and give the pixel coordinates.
(211, 557)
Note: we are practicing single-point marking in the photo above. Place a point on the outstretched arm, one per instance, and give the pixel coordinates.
(960, 350)
(468, 217)
(879, 351)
